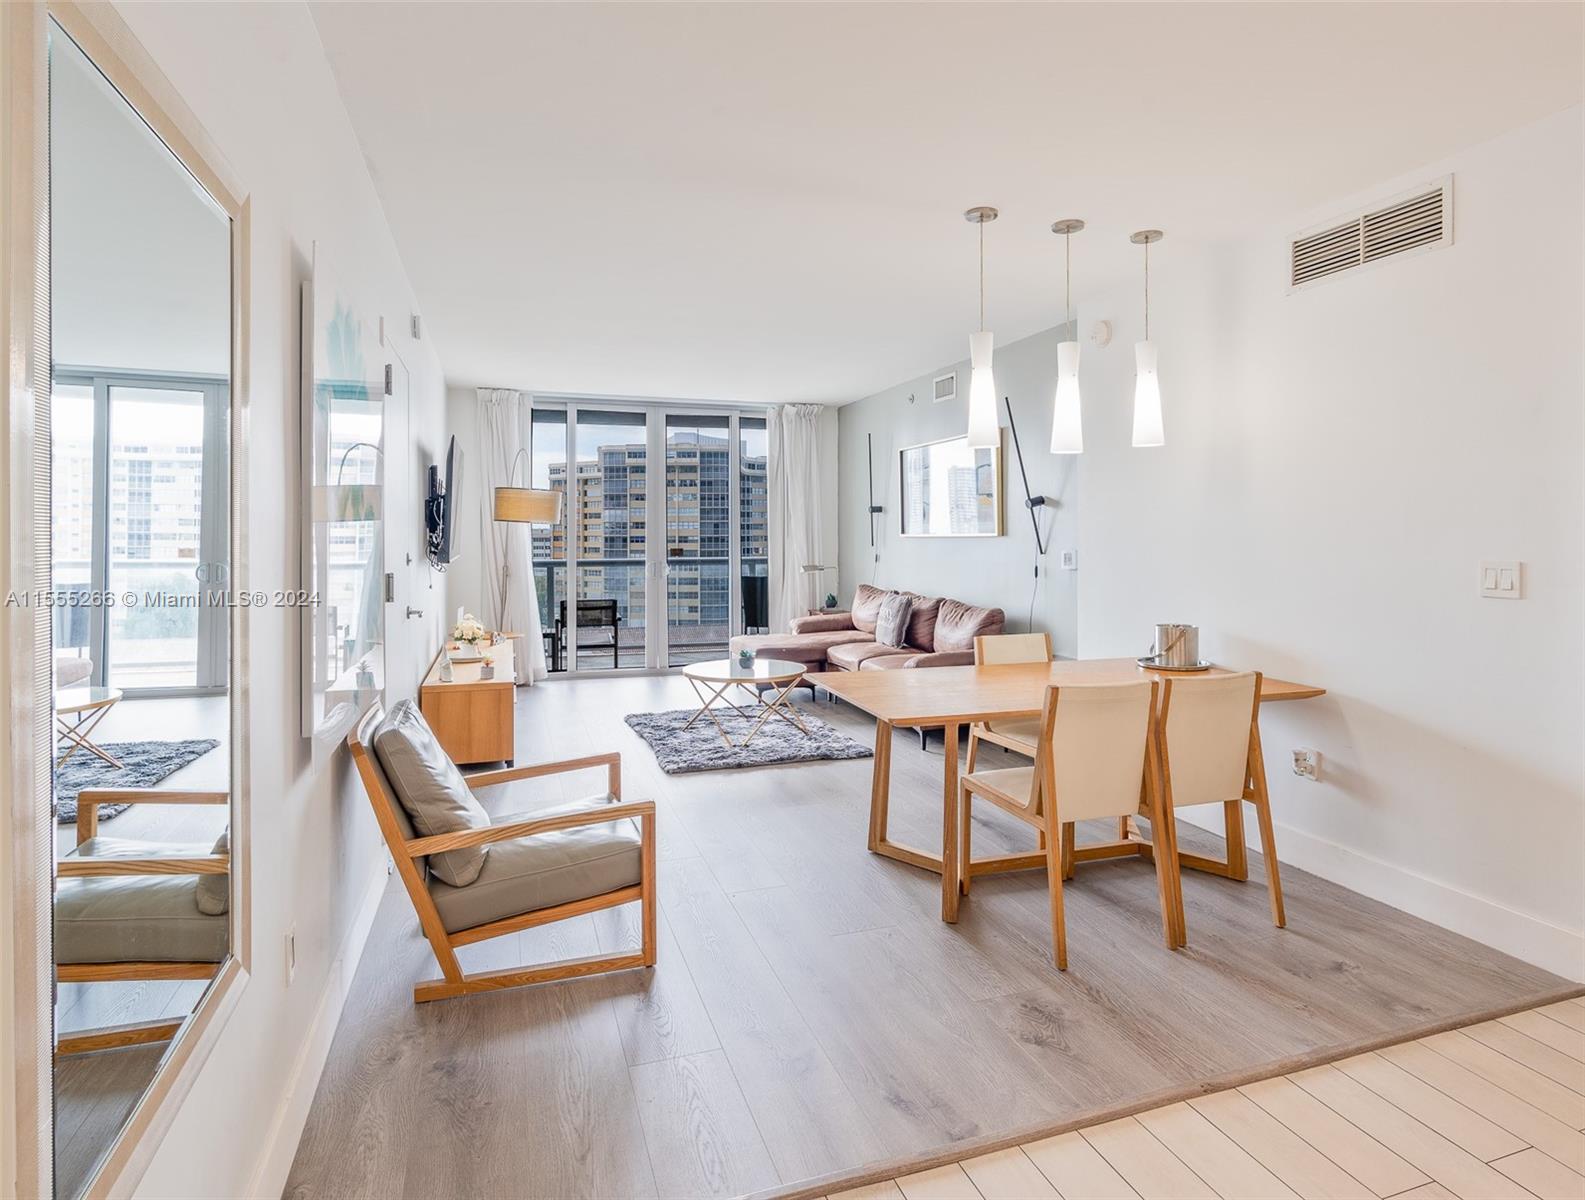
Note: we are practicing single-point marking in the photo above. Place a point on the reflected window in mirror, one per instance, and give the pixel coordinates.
(140, 494)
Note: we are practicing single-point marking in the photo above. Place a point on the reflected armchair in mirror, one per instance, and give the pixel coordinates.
(130, 910)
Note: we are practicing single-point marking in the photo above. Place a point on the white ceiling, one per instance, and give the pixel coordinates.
(763, 202)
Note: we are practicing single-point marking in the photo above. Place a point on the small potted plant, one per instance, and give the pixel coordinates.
(471, 638)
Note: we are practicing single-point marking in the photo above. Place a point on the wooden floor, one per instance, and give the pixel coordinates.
(1492, 1110)
(811, 1014)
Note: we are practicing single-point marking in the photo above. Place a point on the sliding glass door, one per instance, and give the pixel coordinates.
(139, 489)
(600, 574)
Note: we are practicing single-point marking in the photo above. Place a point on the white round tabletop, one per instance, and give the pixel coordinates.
(761, 670)
(81, 699)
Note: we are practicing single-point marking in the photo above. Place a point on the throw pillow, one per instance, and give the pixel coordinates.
(431, 790)
(214, 891)
(891, 628)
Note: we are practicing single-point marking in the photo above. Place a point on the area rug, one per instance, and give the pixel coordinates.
(700, 748)
(146, 763)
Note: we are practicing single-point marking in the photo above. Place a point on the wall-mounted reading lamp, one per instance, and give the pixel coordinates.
(1030, 501)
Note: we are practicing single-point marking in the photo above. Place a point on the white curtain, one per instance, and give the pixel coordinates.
(504, 426)
(794, 511)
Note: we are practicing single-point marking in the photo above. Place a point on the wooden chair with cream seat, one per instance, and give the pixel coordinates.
(1022, 734)
(537, 868)
(131, 911)
(1209, 736)
(1095, 758)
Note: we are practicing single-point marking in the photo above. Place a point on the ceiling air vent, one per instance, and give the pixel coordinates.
(1417, 220)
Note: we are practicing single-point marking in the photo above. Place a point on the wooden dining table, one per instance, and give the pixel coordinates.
(948, 698)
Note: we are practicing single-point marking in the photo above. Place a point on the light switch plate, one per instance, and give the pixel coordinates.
(1501, 580)
(1070, 560)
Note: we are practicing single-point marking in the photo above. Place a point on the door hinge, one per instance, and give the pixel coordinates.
(388, 381)
(390, 586)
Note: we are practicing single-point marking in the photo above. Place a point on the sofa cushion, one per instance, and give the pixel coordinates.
(887, 662)
(851, 655)
(546, 869)
(821, 622)
(922, 615)
(811, 649)
(136, 918)
(431, 790)
(958, 624)
(891, 627)
(70, 669)
(866, 610)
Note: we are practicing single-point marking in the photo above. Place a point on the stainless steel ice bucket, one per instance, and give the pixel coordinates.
(1177, 645)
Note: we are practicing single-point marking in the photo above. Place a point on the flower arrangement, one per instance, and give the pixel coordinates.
(469, 631)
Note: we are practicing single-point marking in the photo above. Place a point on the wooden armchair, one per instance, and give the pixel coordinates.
(165, 935)
(447, 923)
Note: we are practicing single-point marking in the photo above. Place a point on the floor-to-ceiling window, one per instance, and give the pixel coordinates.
(138, 486)
(697, 480)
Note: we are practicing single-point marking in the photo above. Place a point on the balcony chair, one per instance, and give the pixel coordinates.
(470, 880)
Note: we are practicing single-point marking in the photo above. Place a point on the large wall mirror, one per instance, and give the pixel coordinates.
(145, 438)
(950, 489)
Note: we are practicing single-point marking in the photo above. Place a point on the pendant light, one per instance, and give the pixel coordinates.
(1148, 429)
(984, 430)
(1067, 422)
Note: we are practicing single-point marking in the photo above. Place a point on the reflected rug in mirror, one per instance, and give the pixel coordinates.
(145, 764)
(700, 748)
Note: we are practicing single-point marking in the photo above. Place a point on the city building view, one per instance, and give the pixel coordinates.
(605, 524)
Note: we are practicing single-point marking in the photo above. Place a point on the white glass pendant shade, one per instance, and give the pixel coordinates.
(1067, 422)
(1148, 430)
(984, 429)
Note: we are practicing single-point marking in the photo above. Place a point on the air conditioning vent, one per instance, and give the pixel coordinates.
(946, 387)
(1419, 220)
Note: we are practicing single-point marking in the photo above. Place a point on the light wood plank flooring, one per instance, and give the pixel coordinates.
(1445, 1116)
(810, 1013)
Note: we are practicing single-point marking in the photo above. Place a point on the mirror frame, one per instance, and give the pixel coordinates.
(26, 1013)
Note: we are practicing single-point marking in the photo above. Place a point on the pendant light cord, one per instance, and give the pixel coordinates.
(1147, 291)
(1067, 274)
(982, 275)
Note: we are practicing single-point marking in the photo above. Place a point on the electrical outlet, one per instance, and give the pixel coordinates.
(291, 954)
(1307, 764)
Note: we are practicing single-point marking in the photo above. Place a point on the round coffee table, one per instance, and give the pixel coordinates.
(773, 677)
(89, 705)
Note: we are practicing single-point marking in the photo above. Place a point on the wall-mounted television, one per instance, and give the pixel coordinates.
(440, 508)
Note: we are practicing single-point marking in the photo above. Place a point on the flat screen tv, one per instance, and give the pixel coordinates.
(440, 509)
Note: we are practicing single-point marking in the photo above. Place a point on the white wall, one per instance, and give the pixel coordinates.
(997, 572)
(465, 584)
(257, 78)
(1338, 462)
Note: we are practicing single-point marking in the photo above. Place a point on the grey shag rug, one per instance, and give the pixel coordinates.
(680, 750)
(146, 763)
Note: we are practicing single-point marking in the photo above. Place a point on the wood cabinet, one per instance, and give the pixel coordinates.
(472, 717)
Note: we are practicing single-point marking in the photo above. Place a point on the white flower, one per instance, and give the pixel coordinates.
(469, 629)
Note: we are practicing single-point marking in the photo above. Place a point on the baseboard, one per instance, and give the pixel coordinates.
(1523, 935)
(291, 1114)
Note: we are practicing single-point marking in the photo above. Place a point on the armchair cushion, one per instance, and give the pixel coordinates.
(545, 869)
(834, 622)
(135, 918)
(430, 790)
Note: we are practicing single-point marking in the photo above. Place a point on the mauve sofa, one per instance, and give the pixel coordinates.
(941, 633)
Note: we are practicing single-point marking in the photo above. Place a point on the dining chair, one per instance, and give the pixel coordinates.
(1209, 735)
(1021, 734)
(1094, 758)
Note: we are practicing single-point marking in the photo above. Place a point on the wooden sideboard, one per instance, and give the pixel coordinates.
(472, 717)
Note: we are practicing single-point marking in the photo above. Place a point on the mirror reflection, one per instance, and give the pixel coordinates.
(140, 533)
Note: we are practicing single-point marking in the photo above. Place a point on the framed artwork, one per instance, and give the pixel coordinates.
(949, 490)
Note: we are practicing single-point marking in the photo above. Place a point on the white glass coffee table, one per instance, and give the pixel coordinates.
(89, 705)
(770, 680)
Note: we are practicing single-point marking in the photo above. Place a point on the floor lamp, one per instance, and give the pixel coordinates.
(523, 506)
